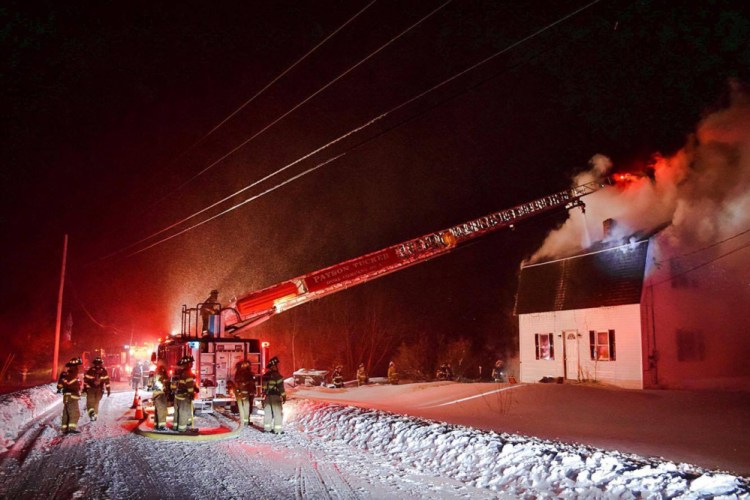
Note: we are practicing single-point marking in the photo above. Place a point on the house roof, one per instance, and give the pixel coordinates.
(610, 276)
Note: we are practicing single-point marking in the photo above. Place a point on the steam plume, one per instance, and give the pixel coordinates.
(702, 191)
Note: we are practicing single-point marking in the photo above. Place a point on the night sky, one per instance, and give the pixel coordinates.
(108, 135)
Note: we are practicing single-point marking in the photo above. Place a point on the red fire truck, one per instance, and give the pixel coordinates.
(218, 348)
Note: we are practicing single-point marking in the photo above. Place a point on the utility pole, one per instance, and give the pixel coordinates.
(59, 310)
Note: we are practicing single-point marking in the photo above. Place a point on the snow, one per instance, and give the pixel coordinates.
(20, 408)
(376, 442)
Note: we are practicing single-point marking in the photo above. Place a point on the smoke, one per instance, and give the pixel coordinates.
(701, 191)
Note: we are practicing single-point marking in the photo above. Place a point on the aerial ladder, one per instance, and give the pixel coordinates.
(256, 307)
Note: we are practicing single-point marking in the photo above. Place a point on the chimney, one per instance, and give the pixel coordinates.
(609, 226)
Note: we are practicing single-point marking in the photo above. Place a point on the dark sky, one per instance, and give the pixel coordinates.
(104, 102)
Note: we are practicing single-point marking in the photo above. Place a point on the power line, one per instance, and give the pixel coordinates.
(307, 99)
(257, 94)
(703, 248)
(234, 150)
(233, 207)
(249, 186)
(704, 264)
(351, 132)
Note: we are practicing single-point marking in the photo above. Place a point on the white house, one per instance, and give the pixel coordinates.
(637, 315)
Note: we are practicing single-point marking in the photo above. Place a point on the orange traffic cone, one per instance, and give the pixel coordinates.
(135, 400)
(139, 410)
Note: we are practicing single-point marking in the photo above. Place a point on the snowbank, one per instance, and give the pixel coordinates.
(18, 409)
(506, 463)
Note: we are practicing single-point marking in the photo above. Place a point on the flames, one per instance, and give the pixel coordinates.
(701, 191)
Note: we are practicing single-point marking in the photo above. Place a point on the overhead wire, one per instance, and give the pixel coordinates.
(91, 317)
(249, 186)
(234, 207)
(294, 108)
(717, 243)
(710, 261)
(351, 132)
(255, 96)
(311, 96)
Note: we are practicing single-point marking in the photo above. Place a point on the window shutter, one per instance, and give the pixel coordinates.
(552, 346)
(592, 343)
(536, 344)
(612, 345)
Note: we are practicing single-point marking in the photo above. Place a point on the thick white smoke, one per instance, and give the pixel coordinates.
(702, 191)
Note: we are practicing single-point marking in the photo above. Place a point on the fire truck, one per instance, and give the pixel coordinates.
(115, 361)
(217, 348)
(216, 354)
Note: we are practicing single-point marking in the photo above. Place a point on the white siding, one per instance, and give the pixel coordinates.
(627, 369)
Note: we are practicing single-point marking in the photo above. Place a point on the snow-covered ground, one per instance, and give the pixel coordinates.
(344, 448)
(704, 428)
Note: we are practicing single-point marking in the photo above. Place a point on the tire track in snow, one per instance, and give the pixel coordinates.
(330, 478)
(51, 470)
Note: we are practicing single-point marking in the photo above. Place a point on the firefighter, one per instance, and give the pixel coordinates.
(392, 374)
(361, 375)
(71, 390)
(136, 375)
(244, 389)
(95, 382)
(209, 307)
(498, 372)
(159, 386)
(185, 390)
(274, 397)
(338, 377)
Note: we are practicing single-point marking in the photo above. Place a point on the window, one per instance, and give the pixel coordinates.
(545, 346)
(602, 344)
(690, 346)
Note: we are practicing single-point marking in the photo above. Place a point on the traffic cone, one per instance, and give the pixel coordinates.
(135, 400)
(139, 410)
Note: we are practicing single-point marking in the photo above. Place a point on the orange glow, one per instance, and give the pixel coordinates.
(658, 162)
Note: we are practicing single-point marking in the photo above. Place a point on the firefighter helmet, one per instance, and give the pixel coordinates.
(98, 361)
(273, 362)
(185, 360)
(75, 361)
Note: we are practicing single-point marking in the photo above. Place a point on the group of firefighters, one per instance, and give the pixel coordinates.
(181, 389)
(95, 383)
(337, 377)
(444, 372)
